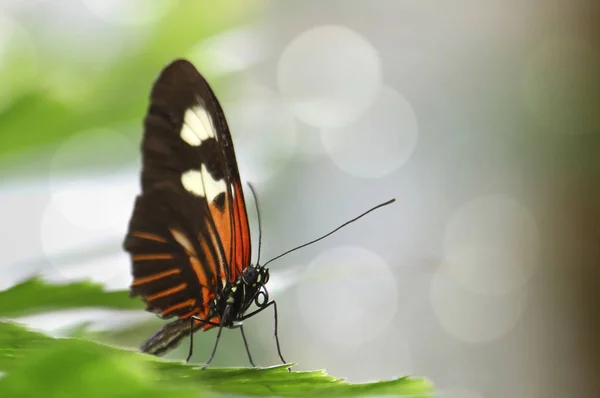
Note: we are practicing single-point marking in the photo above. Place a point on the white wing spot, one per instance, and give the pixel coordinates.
(212, 187)
(192, 182)
(197, 126)
(189, 136)
(201, 183)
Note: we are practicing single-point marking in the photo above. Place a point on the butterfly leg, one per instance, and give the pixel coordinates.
(246, 345)
(276, 334)
(221, 325)
(191, 340)
(274, 304)
(204, 322)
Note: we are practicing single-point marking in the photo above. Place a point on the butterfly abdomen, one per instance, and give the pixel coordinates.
(167, 338)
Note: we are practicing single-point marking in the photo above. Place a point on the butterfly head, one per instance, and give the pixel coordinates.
(253, 289)
(254, 276)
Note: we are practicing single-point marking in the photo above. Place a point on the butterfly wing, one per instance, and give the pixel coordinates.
(175, 262)
(187, 138)
(174, 274)
(188, 235)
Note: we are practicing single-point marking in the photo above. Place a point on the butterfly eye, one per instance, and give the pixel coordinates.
(265, 277)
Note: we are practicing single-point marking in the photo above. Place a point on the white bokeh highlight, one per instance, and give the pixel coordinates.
(21, 206)
(492, 244)
(129, 12)
(97, 205)
(94, 198)
(112, 270)
(330, 75)
(562, 85)
(282, 280)
(472, 317)
(348, 296)
(58, 323)
(89, 217)
(92, 152)
(265, 131)
(310, 147)
(85, 221)
(233, 51)
(380, 142)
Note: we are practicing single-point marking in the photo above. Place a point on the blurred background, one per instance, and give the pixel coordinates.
(481, 118)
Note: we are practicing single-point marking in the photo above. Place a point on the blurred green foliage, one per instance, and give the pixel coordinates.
(39, 111)
(34, 296)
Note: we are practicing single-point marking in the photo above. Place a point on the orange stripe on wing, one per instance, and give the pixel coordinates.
(183, 304)
(148, 236)
(242, 235)
(151, 278)
(167, 292)
(199, 271)
(222, 232)
(208, 326)
(154, 256)
(189, 314)
(212, 265)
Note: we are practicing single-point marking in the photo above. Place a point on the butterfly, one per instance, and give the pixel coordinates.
(189, 236)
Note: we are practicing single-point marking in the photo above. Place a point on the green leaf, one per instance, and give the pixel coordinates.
(278, 381)
(35, 296)
(38, 365)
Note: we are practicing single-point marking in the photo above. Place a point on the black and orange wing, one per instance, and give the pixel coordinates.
(186, 130)
(188, 236)
(175, 265)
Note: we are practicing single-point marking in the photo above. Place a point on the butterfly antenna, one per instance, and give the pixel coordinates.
(258, 216)
(335, 230)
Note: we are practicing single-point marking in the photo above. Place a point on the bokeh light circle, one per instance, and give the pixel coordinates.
(472, 317)
(562, 85)
(233, 51)
(61, 323)
(88, 224)
(22, 204)
(330, 75)
(264, 129)
(129, 12)
(380, 142)
(93, 149)
(348, 296)
(90, 204)
(96, 196)
(491, 244)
